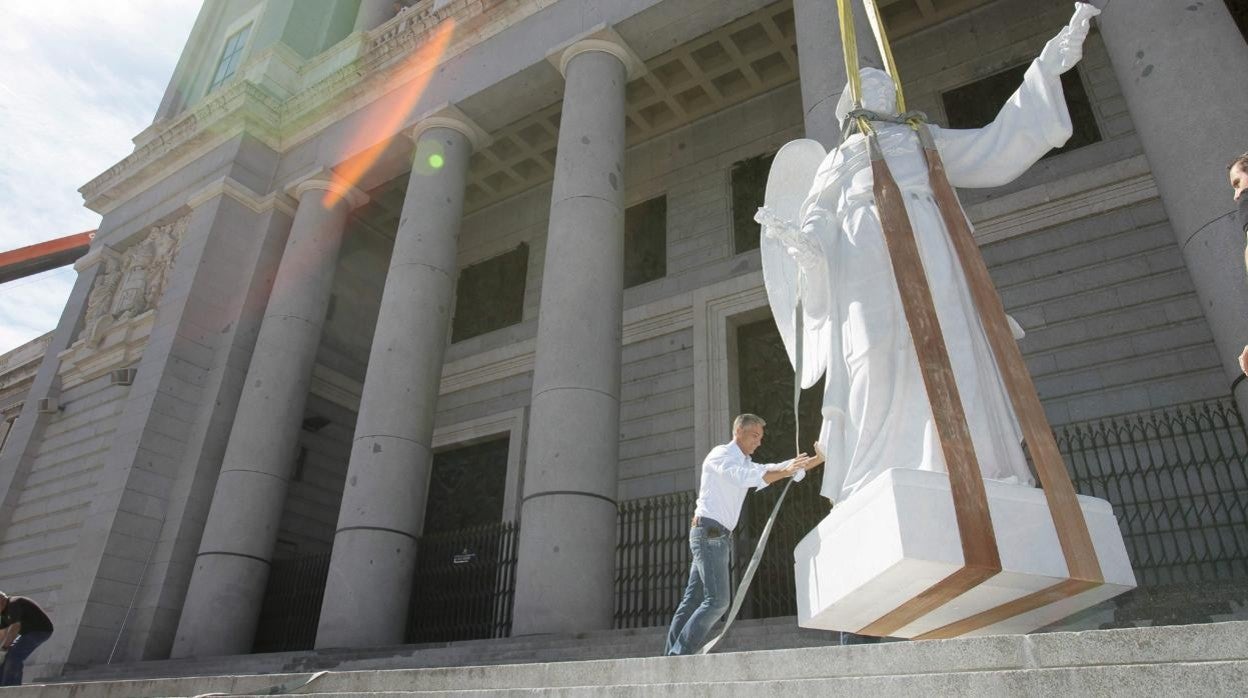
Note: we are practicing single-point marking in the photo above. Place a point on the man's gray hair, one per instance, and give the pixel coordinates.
(747, 420)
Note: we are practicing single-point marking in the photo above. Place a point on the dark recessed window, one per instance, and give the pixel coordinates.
(977, 104)
(230, 57)
(490, 294)
(749, 185)
(466, 487)
(645, 242)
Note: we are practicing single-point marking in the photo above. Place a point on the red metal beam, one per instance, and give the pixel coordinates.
(32, 259)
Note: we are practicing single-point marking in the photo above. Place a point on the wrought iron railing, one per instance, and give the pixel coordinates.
(292, 604)
(464, 584)
(651, 558)
(461, 590)
(1177, 479)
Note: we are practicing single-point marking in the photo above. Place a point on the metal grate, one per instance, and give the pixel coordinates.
(462, 589)
(292, 604)
(1176, 479)
(464, 584)
(652, 558)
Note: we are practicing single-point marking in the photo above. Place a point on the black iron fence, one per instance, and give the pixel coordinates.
(651, 558)
(461, 590)
(464, 584)
(292, 604)
(1177, 479)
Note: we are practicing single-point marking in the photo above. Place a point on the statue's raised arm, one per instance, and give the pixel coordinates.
(1032, 121)
(1066, 49)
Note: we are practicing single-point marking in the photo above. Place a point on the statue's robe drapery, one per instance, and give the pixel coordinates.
(876, 411)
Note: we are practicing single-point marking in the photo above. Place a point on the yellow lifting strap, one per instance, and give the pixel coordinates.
(849, 44)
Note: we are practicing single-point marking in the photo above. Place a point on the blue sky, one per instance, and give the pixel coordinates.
(78, 80)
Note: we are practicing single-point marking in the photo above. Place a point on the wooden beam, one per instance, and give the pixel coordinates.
(40, 257)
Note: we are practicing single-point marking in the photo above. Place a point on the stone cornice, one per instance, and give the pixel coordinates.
(373, 66)
(1084, 194)
(228, 186)
(242, 107)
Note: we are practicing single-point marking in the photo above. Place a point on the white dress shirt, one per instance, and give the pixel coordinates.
(727, 475)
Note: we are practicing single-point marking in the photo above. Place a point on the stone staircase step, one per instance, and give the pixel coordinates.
(1186, 660)
(1212, 679)
(769, 633)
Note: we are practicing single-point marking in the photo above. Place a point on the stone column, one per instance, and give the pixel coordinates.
(821, 63)
(564, 575)
(227, 586)
(373, 14)
(383, 502)
(1182, 68)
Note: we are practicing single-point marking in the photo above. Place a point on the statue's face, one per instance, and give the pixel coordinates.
(878, 92)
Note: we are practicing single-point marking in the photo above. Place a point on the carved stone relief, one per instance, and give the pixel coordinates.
(131, 283)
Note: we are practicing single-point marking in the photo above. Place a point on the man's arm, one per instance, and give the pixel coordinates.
(802, 462)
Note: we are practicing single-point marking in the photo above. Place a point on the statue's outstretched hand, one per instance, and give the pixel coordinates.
(797, 243)
(1064, 50)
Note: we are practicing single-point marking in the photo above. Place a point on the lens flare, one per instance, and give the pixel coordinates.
(387, 114)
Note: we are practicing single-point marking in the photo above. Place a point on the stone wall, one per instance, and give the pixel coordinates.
(1113, 321)
(40, 533)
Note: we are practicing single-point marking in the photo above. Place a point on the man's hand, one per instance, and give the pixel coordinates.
(1243, 361)
(804, 462)
(1064, 50)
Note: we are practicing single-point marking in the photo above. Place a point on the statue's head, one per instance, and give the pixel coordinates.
(878, 94)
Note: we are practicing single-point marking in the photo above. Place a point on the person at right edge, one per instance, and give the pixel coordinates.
(1237, 172)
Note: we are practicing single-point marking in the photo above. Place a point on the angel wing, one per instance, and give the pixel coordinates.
(788, 184)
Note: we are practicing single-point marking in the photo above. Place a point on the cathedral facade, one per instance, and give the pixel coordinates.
(382, 273)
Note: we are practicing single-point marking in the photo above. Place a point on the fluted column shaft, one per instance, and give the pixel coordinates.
(821, 63)
(564, 575)
(1182, 69)
(227, 586)
(383, 502)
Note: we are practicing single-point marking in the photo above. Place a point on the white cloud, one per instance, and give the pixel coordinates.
(78, 80)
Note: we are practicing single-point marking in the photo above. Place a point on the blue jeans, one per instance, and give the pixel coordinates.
(706, 594)
(11, 668)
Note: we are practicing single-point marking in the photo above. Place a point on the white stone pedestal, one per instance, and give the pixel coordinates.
(898, 536)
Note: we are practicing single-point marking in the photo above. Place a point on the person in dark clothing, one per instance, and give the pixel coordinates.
(25, 626)
(1237, 173)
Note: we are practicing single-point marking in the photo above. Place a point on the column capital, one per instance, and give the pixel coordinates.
(601, 38)
(450, 116)
(324, 179)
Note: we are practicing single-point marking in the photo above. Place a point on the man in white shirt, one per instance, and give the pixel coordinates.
(727, 475)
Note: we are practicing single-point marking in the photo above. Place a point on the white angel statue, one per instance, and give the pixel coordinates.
(822, 243)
